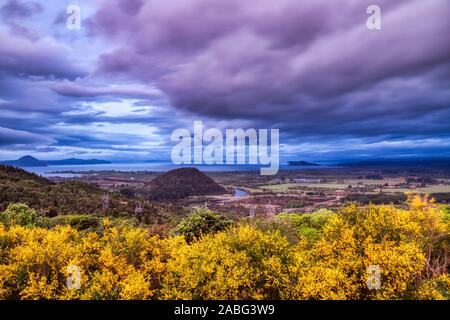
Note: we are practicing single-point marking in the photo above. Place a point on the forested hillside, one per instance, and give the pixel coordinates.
(69, 197)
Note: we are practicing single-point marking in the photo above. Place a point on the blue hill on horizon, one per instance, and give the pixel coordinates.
(30, 161)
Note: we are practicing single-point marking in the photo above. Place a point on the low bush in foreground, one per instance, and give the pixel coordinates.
(201, 222)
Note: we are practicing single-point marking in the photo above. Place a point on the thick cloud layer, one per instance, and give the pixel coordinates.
(140, 68)
(309, 67)
(8, 136)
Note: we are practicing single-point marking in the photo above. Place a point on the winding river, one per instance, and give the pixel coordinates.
(240, 193)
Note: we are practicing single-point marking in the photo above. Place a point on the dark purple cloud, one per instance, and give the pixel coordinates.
(10, 136)
(38, 57)
(71, 89)
(309, 67)
(18, 9)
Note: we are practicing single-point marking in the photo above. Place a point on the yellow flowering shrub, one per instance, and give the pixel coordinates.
(406, 247)
(35, 264)
(437, 288)
(242, 263)
(398, 242)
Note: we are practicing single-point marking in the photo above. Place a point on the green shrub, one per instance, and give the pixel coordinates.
(201, 222)
(19, 214)
(308, 225)
(77, 221)
(86, 222)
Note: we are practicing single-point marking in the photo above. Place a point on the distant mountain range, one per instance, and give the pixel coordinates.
(302, 164)
(408, 163)
(29, 161)
(75, 161)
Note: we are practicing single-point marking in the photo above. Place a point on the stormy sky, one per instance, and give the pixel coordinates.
(137, 69)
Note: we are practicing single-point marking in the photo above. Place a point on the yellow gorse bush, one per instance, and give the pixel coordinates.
(243, 262)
